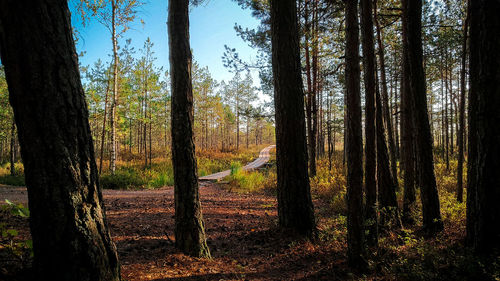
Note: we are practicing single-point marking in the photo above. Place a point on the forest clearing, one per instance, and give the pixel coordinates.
(308, 140)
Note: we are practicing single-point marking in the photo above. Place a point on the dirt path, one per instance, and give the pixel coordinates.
(257, 163)
(242, 235)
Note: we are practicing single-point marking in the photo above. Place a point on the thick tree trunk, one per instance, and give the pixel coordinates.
(354, 146)
(432, 223)
(370, 156)
(483, 192)
(295, 208)
(71, 240)
(407, 140)
(407, 135)
(461, 131)
(189, 228)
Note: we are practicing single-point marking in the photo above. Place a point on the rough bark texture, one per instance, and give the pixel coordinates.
(370, 156)
(432, 223)
(354, 146)
(295, 208)
(68, 223)
(483, 189)
(407, 140)
(189, 229)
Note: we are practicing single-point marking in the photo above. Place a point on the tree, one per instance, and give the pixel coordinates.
(461, 130)
(71, 240)
(483, 192)
(115, 15)
(295, 208)
(388, 204)
(412, 26)
(385, 98)
(354, 147)
(370, 156)
(189, 228)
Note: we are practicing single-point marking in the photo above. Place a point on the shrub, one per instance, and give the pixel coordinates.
(235, 168)
(161, 180)
(123, 178)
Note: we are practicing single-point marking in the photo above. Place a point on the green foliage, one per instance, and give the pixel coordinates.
(252, 181)
(330, 185)
(18, 209)
(10, 238)
(235, 169)
(124, 178)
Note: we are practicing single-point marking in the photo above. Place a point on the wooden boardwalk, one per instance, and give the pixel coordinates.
(259, 162)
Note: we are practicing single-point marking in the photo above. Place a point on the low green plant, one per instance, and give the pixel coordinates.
(10, 237)
(123, 178)
(161, 180)
(235, 168)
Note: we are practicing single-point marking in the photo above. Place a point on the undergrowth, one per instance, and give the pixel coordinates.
(132, 174)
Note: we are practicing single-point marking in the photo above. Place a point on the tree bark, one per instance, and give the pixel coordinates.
(432, 223)
(189, 228)
(370, 156)
(295, 208)
(407, 138)
(483, 192)
(71, 240)
(354, 147)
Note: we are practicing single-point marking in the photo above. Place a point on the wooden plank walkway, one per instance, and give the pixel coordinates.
(257, 163)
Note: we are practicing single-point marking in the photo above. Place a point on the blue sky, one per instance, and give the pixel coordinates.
(211, 26)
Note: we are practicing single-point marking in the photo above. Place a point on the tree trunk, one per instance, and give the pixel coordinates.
(432, 223)
(309, 95)
(370, 157)
(115, 87)
(354, 146)
(295, 208)
(189, 228)
(446, 118)
(461, 131)
(314, 102)
(71, 240)
(407, 140)
(483, 192)
(388, 204)
(385, 100)
(104, 127)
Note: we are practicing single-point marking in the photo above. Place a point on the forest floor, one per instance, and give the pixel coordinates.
(242, 234)
(246, 243)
